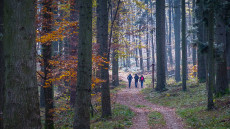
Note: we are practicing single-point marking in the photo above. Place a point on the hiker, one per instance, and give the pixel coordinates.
(136, 80)
(130, 79)
(142, 79)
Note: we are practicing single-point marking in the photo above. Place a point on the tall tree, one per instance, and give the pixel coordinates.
(147, 40)
(177, 14)
(170, 33)
(140, 50)
(46, 55)
(202, 38)
(211, 61)
(221, 86)
(74, 39)
(194, 50)
(84, 74)
(21, 107)
(2, 66)
(160, 41)
(102, 39)
(184, 46)
(115, 77)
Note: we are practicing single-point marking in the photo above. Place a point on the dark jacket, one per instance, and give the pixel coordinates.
(130, 77)
(136, 78)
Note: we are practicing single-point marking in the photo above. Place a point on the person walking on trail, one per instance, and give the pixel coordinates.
(130, 79)
(142, 79)
(136, 80)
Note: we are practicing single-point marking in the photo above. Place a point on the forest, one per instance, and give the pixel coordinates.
(114, 64)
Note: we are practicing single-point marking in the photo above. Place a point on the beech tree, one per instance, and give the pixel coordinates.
(102, 39)
(84, 73)
(21, 106)
(160, 41)
(46, 69)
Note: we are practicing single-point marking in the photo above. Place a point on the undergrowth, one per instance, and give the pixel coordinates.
(156, 120)
(192, 104)
(121, 115)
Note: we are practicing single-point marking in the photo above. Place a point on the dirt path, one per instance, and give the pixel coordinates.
(132, 97)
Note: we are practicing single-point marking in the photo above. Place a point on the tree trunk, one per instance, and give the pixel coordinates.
(184, 46)
(211, 61)
(84, 74)
(160, 41)
(177, 18)
(74, 39)
(136, 53)
(140, 51)
(115, 77)
(147, 42)
(194, 50)
(47, 53)
(221, 86)
(102, 39)
(228, 53)
(201, 35)
(2, 66)
(21, 107)
(170, 33)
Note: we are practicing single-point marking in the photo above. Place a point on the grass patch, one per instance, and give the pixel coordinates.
(140, 106)
(192, 104)
(114, 90)
(121, 118)
(156, 120)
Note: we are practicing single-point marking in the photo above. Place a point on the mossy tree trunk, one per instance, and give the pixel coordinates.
(21, 107)
(84, 72)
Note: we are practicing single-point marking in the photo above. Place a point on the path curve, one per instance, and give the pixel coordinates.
(132, 97)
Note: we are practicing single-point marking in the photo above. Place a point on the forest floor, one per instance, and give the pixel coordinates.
(132, 98)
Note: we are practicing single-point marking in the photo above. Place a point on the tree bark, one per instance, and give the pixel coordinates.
(74, 39)
(228, 53)
(147, 41)
(184, 46)
(201, 35)
(221, 86)
(47, 53)
(21, 107)
(177, 18)
(140, 51)
(2, 66)
(102, 39)
(211, 61)
(115, 77)
(160, 41)
(194, 50)
(84, 73)
(170, 33)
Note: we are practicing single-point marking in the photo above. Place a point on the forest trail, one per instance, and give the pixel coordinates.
(133, 98)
